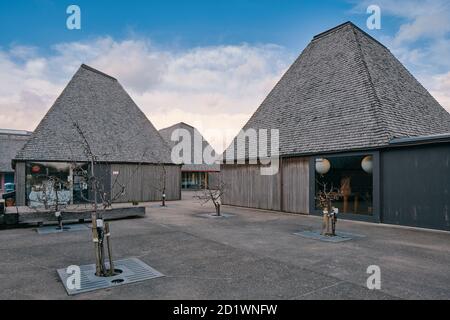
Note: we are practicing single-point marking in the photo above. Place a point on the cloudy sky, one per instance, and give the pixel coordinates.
(207, 63)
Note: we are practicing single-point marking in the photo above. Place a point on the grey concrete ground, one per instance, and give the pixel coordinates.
(252, 254)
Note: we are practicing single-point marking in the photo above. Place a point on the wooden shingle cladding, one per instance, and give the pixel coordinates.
(347, 94)
(209, 173)
(115, 127)
(119, 135)
(287, 191)
(166, 134)
(11, 141)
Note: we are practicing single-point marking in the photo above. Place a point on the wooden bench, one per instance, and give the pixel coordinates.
(25, 215)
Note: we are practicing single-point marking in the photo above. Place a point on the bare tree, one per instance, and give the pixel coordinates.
(99, 200)
(213, 194)
(325, 196)
(97, 222)
(100, 230)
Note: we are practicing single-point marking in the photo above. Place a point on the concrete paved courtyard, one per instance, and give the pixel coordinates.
(253, 254)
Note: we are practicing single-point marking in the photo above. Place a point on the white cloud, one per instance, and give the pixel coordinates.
(423, 19)
(214, 88)
(422, 41)
(210, 87)
(439, 87)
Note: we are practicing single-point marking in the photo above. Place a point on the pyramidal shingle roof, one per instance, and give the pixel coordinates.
(346, 91)
(166, 133)
(11, 141)
(116, 129)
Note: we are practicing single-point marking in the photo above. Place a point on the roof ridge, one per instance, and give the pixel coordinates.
(377, 111)
(184, 123)
(15, 132)
(342, 25)
(84, 66)
(326, 32)
(105, 109)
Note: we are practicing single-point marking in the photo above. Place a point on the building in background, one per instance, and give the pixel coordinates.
(194, 175)
(350, 115)
(11, 141)
(128, 150)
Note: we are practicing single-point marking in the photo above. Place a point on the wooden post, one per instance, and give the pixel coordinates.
(280, 172)
(108, 243)
(95, 235)
(71, 184)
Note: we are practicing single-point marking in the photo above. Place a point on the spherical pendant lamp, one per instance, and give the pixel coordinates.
(322, 166)
(367, 164)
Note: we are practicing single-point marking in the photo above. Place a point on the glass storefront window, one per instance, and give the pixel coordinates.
(47, 182)
(80, 184)
(194, 180)
(352, 176)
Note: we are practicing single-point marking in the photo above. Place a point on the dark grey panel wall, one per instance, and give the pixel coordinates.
(416, 186)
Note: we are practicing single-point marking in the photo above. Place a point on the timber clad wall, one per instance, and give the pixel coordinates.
(295, 185)
(103, 175)
(248, 188)
(142, 181)
(213, 179)
(19, 179)
(139, 181)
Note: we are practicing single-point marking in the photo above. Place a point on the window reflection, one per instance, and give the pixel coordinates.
(353, 177)
(194, 180)
(48, 183)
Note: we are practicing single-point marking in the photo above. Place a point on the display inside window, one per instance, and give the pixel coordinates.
(352, 177)
(194, 180)
(48, 183)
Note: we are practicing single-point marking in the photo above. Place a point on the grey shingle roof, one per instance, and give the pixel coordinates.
(115, 127)
(11, 141)
(166, 133)
(347, 91)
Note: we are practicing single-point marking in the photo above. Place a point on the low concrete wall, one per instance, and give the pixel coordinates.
(24, 215)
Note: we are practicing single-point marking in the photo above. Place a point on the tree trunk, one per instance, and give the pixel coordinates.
(95, 234)
(218, 209)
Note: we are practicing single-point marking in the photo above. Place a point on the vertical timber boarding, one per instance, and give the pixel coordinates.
(213, 178)
(103, 175)
(19, 180)
(142, 181)
(286, 191)
(246, 187)
(296, 195)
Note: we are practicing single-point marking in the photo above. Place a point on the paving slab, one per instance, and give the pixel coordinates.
(66, 228)
(253, 255)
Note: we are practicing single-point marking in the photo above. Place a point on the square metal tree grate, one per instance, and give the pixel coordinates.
(340, 236)
(131, 271)
(66, 228)
(214, 215)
